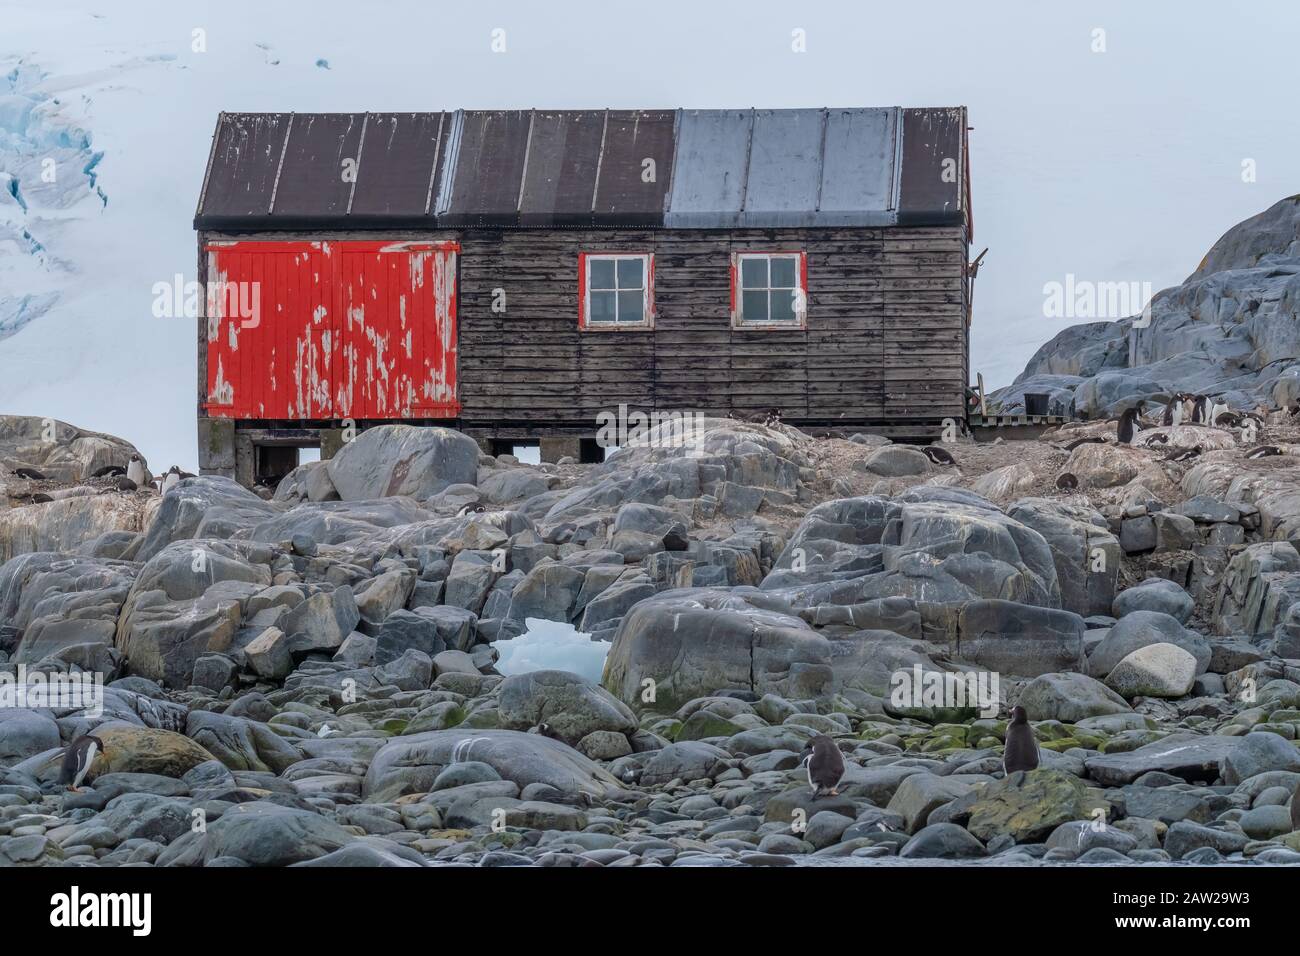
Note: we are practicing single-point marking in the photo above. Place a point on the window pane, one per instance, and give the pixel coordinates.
(629, 307)
(753, 273)
(783, 273)
(629, 273)
(602, 307)
(753, 306)
(602, 273)
(783, 305)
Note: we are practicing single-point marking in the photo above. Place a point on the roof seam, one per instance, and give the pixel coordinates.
(279, 168)
(356, 173)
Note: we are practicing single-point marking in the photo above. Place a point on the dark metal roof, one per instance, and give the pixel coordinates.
(539, 168)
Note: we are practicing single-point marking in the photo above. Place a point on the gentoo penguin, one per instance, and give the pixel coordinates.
(31, 474)
(1067, 482)
(938, 456)
(473, 508)
(825, 765)
(125, 484)
(1179, 409)
(1295, 811)
(1128, 423)
(1093, 440)
(676, 541)
(1200, 410)
(1158, 440)
(1264, 451)
(170, 480)
(108, 471)
(77, 760)
(1021, 750)
(1227, 420)
(137, 471)
(40, 498)
(1184, 454)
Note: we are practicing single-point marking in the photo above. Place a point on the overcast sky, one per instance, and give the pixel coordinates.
(1122, 165)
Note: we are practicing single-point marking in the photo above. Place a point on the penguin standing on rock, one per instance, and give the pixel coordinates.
(1128, 423)
(938, 456)
(137, 471)
(825, 765)
(1021, 750)
(77, 759)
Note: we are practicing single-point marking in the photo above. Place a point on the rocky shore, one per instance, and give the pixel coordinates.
(366, 669)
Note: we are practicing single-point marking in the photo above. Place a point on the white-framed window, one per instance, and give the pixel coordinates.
(617, 290)
(769, 290)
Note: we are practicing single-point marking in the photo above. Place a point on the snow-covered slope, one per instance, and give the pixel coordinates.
(106, 117)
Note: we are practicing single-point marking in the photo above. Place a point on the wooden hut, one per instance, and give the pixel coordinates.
(514, 274)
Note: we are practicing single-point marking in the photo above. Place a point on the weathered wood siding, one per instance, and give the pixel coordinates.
(886, 342)
(886, 337)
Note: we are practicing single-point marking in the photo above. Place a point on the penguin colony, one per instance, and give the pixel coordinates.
(133, 476)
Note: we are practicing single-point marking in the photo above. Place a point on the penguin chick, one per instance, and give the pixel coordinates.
(938, 456)
(1021, 750)
(125, 484)
(825, 765)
